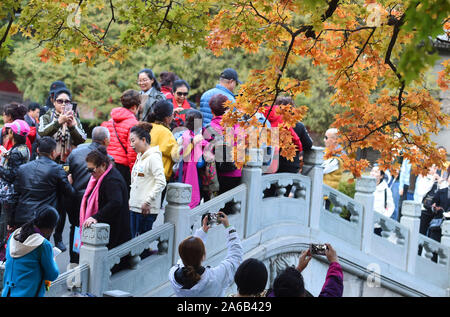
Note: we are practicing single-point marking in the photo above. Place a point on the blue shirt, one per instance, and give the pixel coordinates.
(405, 171)
(206, 97)
(24, 276)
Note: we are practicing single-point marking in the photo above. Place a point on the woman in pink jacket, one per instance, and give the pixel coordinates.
(230, 177)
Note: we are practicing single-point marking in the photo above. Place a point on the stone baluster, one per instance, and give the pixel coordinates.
(252, 177)
(177, 212)
(93, 252)
(445, 239)
(365, 187)
(411, 219)
(312, 168)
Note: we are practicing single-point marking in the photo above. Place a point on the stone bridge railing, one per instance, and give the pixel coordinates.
(275, 228)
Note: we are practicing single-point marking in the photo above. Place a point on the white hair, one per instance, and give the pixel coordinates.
(99, 134)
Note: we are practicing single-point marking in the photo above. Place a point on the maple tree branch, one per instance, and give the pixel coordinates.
(169, 6)
(8, 28)
(113, 19)
(309, 32)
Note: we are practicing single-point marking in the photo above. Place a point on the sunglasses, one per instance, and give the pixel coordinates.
(90, 170)
(63, 101)
(182, 93)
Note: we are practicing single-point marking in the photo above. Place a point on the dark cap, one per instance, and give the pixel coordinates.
(56, 85)
(62, 90)
(230, 73)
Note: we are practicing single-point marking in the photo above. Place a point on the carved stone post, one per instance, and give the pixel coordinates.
(365, 187)
(177, 212)
(445, 239)
(312, 167)
(252, 177)
(411, 218)
(93, 252)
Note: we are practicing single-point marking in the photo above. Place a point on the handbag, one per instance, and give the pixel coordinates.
(208, 177)
(76, 240)
(435, 224)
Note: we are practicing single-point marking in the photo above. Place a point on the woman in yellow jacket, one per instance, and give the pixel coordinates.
(161, 116)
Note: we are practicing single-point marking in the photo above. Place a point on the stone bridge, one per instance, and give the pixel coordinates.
(275, 230)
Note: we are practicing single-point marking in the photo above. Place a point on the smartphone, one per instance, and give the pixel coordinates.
(68, 108)
(318, 249)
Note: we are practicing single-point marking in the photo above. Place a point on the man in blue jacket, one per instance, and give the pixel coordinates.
(227, 83)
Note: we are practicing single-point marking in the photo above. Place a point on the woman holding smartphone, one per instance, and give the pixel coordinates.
(63, 125)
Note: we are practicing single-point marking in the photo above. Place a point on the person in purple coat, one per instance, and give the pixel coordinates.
(289, 283)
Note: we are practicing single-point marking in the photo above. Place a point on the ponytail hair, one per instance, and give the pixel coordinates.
(142, 130)
(192, 251)
(46, 218)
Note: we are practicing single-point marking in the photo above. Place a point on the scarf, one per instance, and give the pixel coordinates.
(89, 204)
(62, 138)
(190, 173)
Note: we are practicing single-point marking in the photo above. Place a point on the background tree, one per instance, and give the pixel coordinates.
(375, 53)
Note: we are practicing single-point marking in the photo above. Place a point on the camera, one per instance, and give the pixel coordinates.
(318, 249)
(213, 218)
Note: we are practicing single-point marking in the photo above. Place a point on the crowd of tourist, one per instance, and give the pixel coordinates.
(156, 136)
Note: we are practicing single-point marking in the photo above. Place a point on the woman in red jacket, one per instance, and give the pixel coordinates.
(122, 120)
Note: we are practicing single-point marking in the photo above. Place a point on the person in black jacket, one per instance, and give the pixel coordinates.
(40, 182)
(80, 178)
(440, 204)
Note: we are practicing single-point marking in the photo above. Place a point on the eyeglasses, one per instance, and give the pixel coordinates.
(179, 93)
(91, 170)
(63, 101)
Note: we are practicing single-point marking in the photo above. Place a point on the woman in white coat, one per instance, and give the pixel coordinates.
(383, 202)
(147, 180)
(189, 278)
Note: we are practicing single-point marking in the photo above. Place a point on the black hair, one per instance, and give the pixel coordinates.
(151, 75)
(15, 110)
(98, 156)
(142, 130)
(191, 115)
(251, 277)
(46, 145)
(62, 91)
(180, 83)
(289, 283)
(167, 78)
(33, 106)
(160, 110)
(46, 218)
(19, 139)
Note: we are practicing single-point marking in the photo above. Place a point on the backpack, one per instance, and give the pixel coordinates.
(221, 163)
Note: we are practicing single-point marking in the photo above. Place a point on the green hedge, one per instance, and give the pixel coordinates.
(89, 125)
